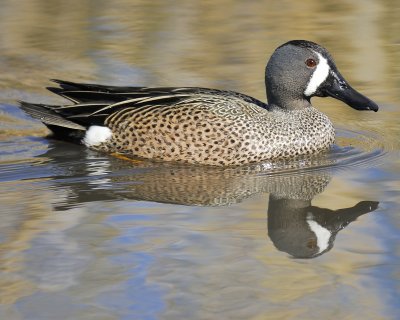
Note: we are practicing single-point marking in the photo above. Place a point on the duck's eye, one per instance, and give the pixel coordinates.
(311, 63)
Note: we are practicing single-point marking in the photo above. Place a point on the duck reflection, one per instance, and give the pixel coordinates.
(305, 231)
(295, 226)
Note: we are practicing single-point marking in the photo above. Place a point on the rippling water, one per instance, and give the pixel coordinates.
(84, 235)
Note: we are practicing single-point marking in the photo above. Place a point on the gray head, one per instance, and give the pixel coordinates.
(299, 70)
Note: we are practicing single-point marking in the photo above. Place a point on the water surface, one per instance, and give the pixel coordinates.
(84, 235)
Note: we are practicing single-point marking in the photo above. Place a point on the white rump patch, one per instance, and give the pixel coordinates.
(96, 135)
(320, 74)
(323, 234)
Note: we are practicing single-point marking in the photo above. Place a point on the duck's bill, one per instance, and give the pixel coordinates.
(339, 89)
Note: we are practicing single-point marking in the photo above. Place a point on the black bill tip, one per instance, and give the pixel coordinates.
(373, 106)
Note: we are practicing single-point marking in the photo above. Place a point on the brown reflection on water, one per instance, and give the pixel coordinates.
(28, 265)
(18, 230)
(207, 261)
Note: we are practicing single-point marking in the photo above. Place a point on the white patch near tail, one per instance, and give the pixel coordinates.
(96, 135)
(323, 235)
(320, 74)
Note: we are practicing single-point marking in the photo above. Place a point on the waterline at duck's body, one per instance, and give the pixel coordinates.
(201, 135)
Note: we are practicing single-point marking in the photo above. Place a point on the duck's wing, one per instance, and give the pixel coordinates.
(93, 104)
(87, 93)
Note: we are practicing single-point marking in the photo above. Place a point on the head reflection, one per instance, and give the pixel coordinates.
(305, 231)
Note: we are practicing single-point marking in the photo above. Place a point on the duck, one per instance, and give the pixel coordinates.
(205, 126)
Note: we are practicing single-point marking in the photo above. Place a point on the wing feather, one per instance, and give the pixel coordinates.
(94, 104)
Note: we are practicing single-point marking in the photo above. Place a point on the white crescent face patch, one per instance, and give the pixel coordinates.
(320, 74)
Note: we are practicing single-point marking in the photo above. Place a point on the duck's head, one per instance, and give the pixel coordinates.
(299, 70)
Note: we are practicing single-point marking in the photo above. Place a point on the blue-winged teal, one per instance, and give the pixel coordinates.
(208, 126)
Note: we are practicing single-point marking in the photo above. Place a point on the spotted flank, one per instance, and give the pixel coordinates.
(208, 126)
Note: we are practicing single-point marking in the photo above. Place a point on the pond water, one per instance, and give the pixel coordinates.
(84, 235)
